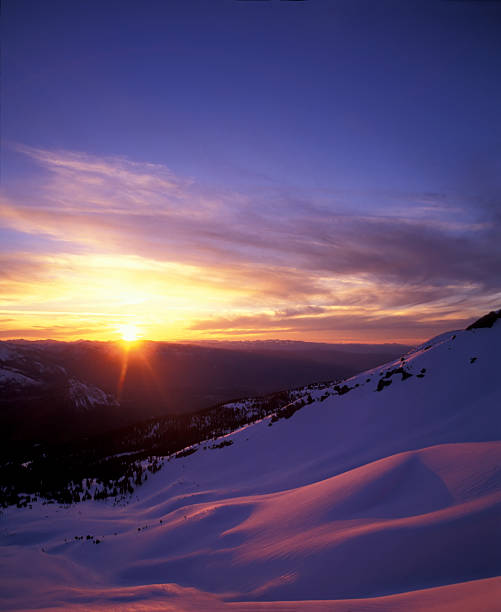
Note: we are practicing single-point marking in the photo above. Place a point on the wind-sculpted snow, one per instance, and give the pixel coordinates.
(349, 498)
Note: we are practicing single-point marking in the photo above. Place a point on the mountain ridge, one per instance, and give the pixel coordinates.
(121, 384)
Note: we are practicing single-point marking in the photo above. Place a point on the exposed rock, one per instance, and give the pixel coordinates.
(487, 320)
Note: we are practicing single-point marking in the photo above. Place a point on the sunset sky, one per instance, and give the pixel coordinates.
(318, 170)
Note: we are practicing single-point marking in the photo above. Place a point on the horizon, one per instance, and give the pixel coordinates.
(140, 341)
(249, 171)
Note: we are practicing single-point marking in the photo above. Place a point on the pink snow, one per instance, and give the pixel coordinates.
(368, 501)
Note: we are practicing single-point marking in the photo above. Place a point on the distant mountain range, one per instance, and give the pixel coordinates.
(54, 389)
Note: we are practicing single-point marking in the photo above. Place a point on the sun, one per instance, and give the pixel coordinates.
(130, 333)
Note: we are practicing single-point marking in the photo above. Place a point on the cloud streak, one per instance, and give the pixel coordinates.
(263, 261)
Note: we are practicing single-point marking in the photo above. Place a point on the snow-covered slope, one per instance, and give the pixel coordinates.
(40, 398)
(86, 397)
(383, 493)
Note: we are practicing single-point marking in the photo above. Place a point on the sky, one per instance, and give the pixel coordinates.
(237, 169)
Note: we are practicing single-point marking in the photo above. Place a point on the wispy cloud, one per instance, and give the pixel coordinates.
(263, 261)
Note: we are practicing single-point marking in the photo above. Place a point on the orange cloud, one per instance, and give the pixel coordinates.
(127, 240)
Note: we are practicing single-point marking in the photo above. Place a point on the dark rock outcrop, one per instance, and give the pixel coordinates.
(487, 320)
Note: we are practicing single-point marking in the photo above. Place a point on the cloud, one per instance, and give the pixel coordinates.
(408, 328)
(269, 255)
(47, 333)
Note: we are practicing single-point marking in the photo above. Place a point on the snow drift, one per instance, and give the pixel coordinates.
(383, 493)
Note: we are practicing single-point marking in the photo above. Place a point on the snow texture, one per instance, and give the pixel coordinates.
(21, 370)
(373, 497)
(86, 396)
(13, 377)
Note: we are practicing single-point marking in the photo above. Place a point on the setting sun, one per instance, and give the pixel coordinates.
(130, 333)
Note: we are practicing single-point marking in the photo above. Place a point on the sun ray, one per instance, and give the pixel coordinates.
(123, 371)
